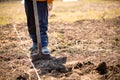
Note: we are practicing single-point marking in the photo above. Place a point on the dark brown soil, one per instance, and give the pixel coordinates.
(71, 61)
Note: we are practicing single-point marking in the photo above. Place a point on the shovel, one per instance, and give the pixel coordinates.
(38, 55)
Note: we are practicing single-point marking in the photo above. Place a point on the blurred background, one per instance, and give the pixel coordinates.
(13, 10)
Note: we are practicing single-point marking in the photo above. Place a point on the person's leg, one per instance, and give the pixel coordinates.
(31, 22)
(43, 20)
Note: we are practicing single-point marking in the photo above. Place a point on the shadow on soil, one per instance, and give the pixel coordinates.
(53, 66)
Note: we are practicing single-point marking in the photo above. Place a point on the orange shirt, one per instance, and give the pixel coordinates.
(49, 1)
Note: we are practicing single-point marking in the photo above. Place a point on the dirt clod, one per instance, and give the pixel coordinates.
(102, 68)
(61, 69)
(23, 76)
(78, 65)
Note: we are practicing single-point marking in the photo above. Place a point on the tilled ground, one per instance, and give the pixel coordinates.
(87, 49)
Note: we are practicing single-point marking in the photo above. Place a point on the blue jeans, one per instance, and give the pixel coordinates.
(43, 21)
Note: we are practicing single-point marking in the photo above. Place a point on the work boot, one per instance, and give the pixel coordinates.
(34, 47)
(45, 53)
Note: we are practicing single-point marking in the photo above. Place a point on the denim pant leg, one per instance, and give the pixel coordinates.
(30, 17)
(43, 21)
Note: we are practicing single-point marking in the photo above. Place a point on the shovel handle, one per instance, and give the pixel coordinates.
(39, 50)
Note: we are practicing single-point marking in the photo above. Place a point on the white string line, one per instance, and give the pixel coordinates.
(35, 69)
(18, 35)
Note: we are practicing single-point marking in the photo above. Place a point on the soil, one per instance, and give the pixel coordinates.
(82, 50)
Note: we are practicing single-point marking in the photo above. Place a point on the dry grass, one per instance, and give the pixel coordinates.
(11, 12)
(63, 11)
(72, 11)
